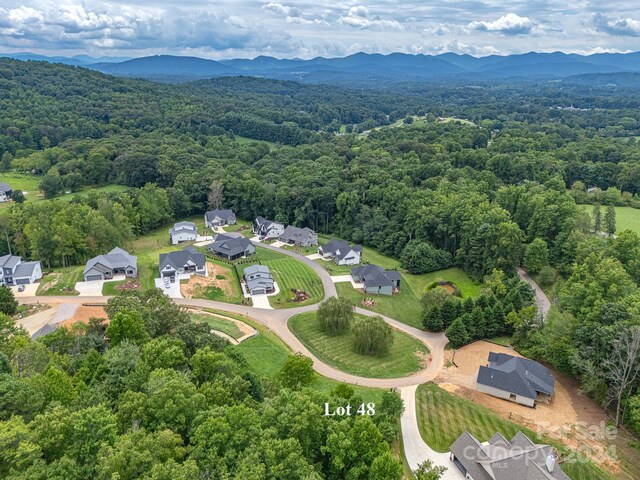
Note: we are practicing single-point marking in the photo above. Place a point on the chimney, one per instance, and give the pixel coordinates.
(551, 462)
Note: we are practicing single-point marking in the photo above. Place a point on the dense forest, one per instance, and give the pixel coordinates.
(489, 194)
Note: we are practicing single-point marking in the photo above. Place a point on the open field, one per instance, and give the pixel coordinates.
(627, 218)
(442, 417)
(61, 282)
(406, 356)
(288, 273)
(220, 324)
(406, 305)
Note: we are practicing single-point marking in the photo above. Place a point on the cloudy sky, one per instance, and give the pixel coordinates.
(307, 28)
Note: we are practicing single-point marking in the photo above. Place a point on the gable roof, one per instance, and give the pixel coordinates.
(25, 269)
(116, 258)
(228, 245)
(180, 258)
(184, 226)
(500, 459)
(517, 375)
(9, 261)
(221, 214)
(296, 233)
(375, 276)
(340, 248)
(5, 187)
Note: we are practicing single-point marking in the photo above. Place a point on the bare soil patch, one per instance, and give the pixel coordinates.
(84, 313)
(133, 284)
(219, 276)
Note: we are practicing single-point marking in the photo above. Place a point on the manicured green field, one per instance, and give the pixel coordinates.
(247, 232)
(61, 282)
(627, 218)
(109, 288)
(403, 358)
(442, 417)
(217, 323)
(289, 273)
(406, 305)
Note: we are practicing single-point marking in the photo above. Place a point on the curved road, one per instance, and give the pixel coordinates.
(544, 305)
(416, 450)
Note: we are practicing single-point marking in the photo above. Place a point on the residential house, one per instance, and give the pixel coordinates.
(218, 218)
(259, 280)
(183, 232)
(300, 237)
(501, 459)
(5, 192)
(231, 247)
(341, 252)
(187, 261)
(267, 228)
(13, 271)
(376, 279)
(104, 267)
(516, 379)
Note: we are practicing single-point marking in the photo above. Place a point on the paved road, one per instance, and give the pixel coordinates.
(544, 305)
(276, 321)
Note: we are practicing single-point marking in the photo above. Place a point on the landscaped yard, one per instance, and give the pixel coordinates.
(627, 218)
(61, 282)
(221, 285)
(406, 356)
(217, 323)
(289, 273)
(442, 417)
(242, 226)
(406, 305)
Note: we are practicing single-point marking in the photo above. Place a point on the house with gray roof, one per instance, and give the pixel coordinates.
(267, 228)
(300, 237)
(218, 218)
(501, 459)
(341, 252)
(259, 280)
(231, 247)
(104, 267)
(13, 271)
(5, 192)
(516, 379)
(376, 279)
(183, 232)
(181, 262)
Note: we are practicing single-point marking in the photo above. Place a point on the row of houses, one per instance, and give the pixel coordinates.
(13, 271)
(291, 235)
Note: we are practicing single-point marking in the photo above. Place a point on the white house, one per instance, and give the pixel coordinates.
(259, 280)
(13, 271)
(187, 261)
(183, 232)
(341, 252)
(267, 228)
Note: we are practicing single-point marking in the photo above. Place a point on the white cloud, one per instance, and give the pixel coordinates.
(509, 24)
(627, 27)
(359, 17)
(277, 9)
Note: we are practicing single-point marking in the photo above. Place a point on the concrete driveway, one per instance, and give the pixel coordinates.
(315, 256)
(174, 288)
(93, 288)
(278, 244)
(29, 290)
(346, 278)
(261, 301)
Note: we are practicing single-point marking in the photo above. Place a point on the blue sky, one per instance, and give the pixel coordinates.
(307, 28)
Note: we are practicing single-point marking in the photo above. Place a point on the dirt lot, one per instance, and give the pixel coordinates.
(196, 283)
(84, 313)
(571, 417)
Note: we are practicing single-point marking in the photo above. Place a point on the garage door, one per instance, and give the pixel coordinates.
(93, 277)
(22, 281)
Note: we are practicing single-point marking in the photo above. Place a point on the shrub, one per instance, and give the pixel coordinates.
(335, 315)
(372, 336)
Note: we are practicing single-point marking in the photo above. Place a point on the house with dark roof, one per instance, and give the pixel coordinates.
(300, 237)
(341, 252)
(182, 262)
(267, 228)
(501, 459)
(231, 247)
(183, 232)
(104, 267)
(13, 271)
(516, 379)
(259, 280)
(376, 279)
(218, 218)
(5, 192)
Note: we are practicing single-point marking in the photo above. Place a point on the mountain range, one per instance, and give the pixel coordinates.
(364, 68)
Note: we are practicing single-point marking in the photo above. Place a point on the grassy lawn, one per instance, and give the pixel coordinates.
(406, 306)
(266, 354)
(83, 193)
(247, 232)
(627, 218)
(288, 273)
(336, 350)
(217, 323)
(442, 417)
(61, 282)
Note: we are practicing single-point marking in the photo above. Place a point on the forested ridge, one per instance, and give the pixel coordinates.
(490, 194)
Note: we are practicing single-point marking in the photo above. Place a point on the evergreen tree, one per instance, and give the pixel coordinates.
(449, 312)
(457, 334)
(610, 220)
(597, 218)
(432, 319)
(479, 324)
(468, 305)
